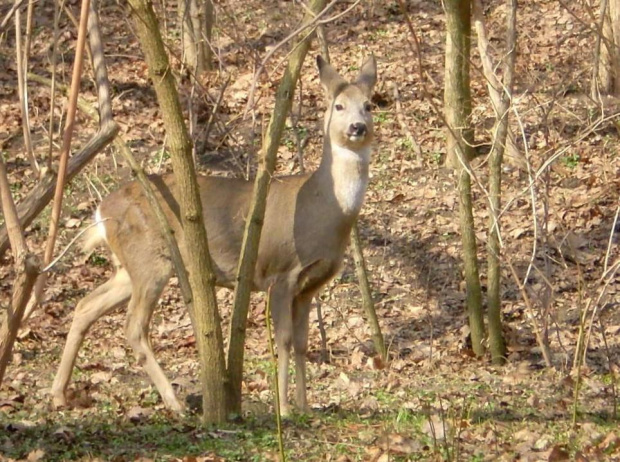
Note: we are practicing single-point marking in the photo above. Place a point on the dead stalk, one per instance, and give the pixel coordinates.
(16, 5)
(54, 59)
(404, 126)
(23, 93)
(547, 356)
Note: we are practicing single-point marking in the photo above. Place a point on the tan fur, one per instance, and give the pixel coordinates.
(306, 229)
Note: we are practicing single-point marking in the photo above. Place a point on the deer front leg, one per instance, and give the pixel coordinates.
(301, 313)
(102, 300)
(281, 312)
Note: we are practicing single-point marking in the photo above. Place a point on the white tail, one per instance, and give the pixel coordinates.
(306, 230)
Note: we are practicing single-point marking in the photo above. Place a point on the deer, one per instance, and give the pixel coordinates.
(308, 220)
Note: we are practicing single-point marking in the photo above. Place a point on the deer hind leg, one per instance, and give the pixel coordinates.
(102, 300)
(281, 312)
(301, 313)
(143, 301)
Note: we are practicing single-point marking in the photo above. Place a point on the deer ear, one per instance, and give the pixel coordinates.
(330, 79)
(368, 76)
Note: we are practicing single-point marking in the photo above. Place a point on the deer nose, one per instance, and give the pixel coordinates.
(357, 129)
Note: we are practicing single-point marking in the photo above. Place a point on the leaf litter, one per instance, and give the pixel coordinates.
(433, 400)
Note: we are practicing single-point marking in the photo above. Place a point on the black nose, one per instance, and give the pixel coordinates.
(357, 129)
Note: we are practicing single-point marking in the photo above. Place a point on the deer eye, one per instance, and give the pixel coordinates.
(339, 107)
(367, 107)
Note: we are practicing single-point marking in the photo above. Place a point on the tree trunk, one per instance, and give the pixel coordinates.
(208, 21)
(614, 13)
(497, 344)
(602, 80)
(367, 301)
(205, 316)
(26, 267)
(457, 100)
(251, 238)
(197, 19)
(607, 55)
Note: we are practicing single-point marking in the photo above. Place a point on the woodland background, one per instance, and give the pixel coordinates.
(433, 399)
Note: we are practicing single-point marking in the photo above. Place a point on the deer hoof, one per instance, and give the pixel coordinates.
(174, 405)
(59, 401)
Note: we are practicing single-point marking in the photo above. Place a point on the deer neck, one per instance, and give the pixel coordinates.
(344, 173)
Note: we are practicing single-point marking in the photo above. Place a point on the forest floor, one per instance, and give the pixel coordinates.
(433, 399)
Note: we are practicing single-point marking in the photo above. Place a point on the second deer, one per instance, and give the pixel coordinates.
(306, 230)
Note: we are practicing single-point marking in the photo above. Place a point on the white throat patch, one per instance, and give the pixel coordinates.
(349, 171)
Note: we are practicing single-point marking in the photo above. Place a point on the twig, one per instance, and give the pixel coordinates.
(530, 311)
(23, 94)
(310, 24)
(58, 5)
(9, 15)
(69, 245)
(403, 125)
(214, 110)
(319, 315)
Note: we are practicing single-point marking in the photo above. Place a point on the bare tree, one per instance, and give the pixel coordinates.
(203, 309)
(457, 101)
(27, 268)
(606, 74)
(197, 18)
(500, 92)
(251, 238)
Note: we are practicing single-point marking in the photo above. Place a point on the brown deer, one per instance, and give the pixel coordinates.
(306, 230)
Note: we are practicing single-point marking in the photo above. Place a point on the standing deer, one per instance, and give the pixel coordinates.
(306, 230)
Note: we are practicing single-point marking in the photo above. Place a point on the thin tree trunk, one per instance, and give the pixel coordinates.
(614, 13)
(604, 57)
(197, 19)
(205, 316)
(251, 238)
(208, 21)
(369, 304)
(497, 345)
(27, 269)
(23, 94)
(457, 100)
(67, 137)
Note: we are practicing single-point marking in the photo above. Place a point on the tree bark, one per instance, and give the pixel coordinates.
(205, 316)
(367, 301)
(197, 19)
(606, 69)
(603, 81)
(614, 13)
(457, 100)
(497, 345)
(251, 238)
(27, 269)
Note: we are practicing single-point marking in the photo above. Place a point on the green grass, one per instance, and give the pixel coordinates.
(571, 160)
